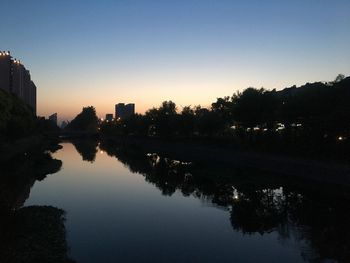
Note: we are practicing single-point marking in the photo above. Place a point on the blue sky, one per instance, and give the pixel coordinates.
(103, 52)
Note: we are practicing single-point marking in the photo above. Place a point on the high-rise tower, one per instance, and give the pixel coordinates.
(15, 78)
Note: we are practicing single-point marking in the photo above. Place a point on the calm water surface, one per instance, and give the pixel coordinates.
(118, 209)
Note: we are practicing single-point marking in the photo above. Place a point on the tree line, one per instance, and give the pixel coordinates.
(314, 114)
(17, 120)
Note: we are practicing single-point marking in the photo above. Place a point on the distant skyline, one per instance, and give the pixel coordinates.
(100, 53)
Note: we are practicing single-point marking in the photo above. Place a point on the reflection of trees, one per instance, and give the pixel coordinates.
(318, 221)
(19, 174)
(86, 148)
(259, 210)
(30, 234)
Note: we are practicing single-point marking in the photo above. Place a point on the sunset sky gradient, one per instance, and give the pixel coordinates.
(100, 53)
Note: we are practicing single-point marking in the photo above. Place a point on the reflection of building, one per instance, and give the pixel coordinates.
(109, 117)
(124, 110)
(15, 78)
(53, 118)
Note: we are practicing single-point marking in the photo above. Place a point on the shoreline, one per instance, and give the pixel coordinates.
(31, 144)
(281, 165)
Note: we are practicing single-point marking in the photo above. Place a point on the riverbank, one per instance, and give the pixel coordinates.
(301, 168)
(35, 234)
(27, 145)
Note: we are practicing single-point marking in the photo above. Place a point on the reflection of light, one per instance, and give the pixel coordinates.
(235, 194)
(280, 126)
(101, 152)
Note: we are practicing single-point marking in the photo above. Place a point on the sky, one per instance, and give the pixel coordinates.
(100, 53)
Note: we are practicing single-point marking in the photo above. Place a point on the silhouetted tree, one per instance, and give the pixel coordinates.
(136, 124)
(16, 118)
(186, 121)
(84, 121)
(339, 78)
(208, 122)
(223, 107)
(164, 118)
(253, 107)
(313, 118)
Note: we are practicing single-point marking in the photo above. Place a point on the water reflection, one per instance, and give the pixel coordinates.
(315, 216)
(19, 174)
(87, 148)
(35, 233)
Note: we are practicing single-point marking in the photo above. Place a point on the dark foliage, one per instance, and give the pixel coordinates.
(314, 118)
(86, 148)
(37, 234)
(16, 118)
(85, 121)
(315, 215)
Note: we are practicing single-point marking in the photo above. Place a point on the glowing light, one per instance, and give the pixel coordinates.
(340, 138)
(235, 194)
(280, 126)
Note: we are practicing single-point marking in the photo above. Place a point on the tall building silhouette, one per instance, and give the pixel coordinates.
(15, 79)
(109, 117)
(124, 111)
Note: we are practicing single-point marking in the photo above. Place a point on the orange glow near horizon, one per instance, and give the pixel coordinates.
(191, 52)
(104, 93)
(148, 90)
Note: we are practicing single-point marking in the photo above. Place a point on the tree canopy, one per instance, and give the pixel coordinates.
(86, 121)
(16, 118)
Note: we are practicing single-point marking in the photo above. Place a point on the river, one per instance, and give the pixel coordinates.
(124, 205)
